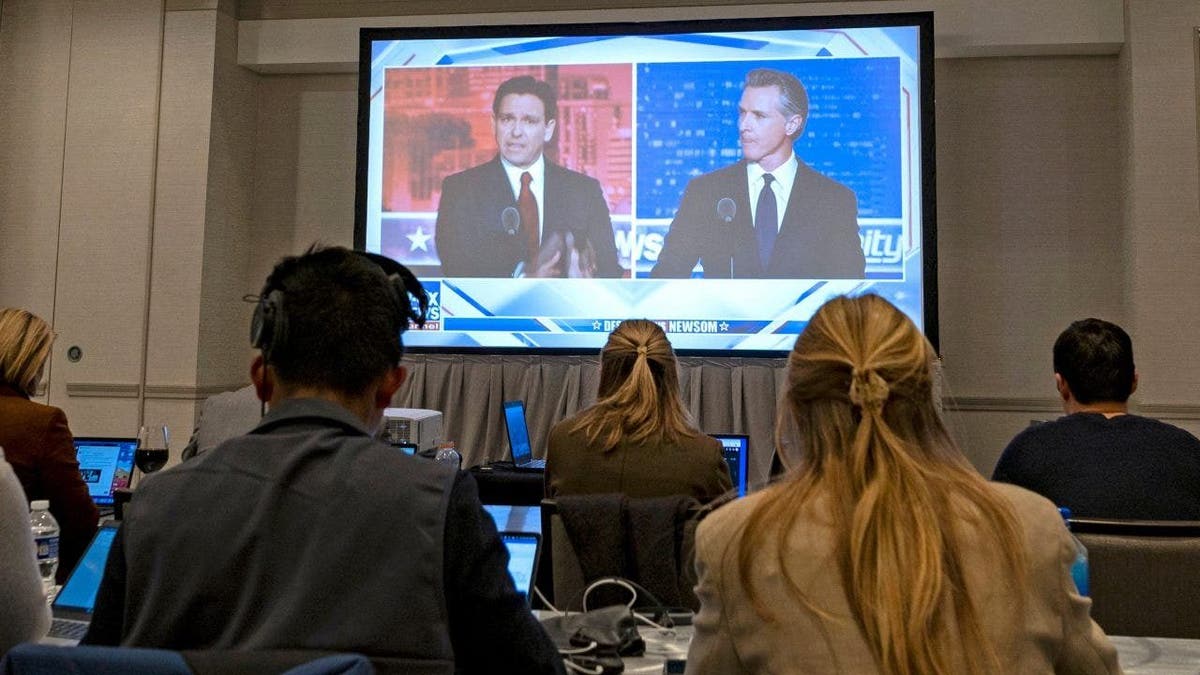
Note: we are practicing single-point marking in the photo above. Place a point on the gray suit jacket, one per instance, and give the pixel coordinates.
(224, 416)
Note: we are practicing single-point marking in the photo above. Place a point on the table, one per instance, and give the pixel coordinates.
(498, 485)
(1139, 655)
(1158, 656)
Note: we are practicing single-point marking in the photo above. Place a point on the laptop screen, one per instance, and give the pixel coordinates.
(737, 455)
(515, 518)
(522, 559)
(79, 593)
(105, 464)
(518, 433)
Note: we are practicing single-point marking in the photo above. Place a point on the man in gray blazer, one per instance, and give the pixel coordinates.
(223, 416)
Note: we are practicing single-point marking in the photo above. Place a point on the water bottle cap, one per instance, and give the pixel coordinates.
(39, 505)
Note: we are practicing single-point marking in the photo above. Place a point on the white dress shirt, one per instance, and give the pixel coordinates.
(785, 176)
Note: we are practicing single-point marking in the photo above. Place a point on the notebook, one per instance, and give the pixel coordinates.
(73, 606)
(518, 438)
(523, 549)
(106, 464)
(737, 455)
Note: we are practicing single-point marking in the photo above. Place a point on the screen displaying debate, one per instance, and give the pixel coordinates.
(721, 178)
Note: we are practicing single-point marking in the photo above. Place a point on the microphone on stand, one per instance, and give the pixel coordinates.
(510, 220)
(727, 209)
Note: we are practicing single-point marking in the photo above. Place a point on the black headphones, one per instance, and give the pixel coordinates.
(269, 325)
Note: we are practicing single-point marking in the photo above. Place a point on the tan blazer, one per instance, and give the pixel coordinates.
(694, 467)
(1054, 635)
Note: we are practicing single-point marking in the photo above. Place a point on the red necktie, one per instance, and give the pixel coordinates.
(527, 207)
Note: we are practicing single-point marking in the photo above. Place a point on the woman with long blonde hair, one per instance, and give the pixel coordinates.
(35, 437)
(882, 550)
(637, 439)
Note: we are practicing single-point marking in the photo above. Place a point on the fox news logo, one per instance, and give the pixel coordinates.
(434, 314)
(882, 244)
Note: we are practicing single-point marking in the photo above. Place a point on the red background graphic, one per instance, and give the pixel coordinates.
(438, 121)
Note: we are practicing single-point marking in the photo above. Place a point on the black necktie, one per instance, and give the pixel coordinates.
(766, 221)
(527, 207)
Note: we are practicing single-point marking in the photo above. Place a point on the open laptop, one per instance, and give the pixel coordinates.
(518, 438)
(510, 518)
(737, 455)
(73, 606)
(523, 552)
(106, 464)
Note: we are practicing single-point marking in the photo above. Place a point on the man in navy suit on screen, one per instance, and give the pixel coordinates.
(520, 215)
(769, 215)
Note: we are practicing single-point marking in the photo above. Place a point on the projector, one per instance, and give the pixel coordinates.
(414, 427)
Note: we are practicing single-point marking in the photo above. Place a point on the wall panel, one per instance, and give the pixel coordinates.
(35, 39)
(107, 192)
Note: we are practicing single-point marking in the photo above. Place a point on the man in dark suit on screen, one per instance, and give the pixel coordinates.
(520, 215)
(769, 215)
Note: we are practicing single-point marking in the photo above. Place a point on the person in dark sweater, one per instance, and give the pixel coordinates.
(1099, 460)
(325, 539)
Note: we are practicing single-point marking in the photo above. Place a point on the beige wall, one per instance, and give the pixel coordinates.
(1162, 245)
(147, 181)
(1029, 229)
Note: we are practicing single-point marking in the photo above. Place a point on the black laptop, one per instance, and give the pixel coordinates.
(73, 605)
(523, 552)
(106, 464)
(518, 438)
(736, 448)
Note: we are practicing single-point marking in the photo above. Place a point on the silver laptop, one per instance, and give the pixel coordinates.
(73, 606)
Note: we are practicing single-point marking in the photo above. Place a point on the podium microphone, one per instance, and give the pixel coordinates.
(510, 220)
(726, 208)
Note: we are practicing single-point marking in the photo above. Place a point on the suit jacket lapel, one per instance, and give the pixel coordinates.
(499, 188)
(792, 215)
(551, 207)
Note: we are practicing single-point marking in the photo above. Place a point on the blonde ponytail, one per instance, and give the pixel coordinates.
(860, 395)
(639, 390)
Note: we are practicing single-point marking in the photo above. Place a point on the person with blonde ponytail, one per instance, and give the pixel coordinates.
(637, 439)
(882, 550)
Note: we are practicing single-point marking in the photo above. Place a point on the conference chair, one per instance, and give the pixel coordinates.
(37, 659)
(1144, 576)
(650, 541)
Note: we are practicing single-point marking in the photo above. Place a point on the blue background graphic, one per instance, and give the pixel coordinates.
(687, 125)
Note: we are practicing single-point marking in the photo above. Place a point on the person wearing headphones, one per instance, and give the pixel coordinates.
(309, 534)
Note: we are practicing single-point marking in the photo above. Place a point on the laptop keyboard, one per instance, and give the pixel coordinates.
(68, 628)
(534, 464)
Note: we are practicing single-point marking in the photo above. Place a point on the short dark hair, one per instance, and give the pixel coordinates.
(793, 98)
(527, 84)
(1095, 357)
(338, 317)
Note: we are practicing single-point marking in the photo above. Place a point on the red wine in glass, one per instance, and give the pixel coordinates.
(152, 454)
(150, 460)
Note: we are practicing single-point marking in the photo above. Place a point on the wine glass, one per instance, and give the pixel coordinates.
(151, 454)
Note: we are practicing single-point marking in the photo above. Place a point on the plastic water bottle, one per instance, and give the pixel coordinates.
(1079, 567)
(45, 535)
(448, 454)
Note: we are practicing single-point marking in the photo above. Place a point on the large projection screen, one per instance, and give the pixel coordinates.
(645, 196)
